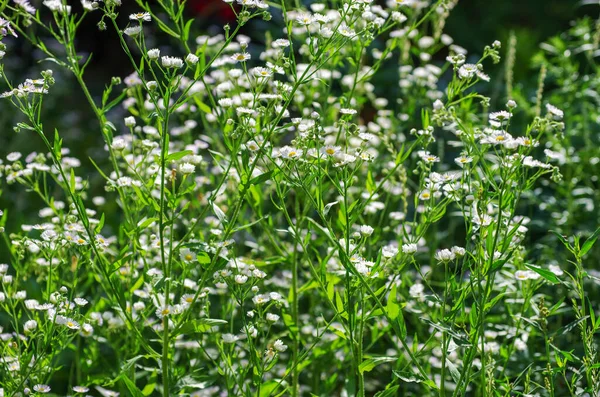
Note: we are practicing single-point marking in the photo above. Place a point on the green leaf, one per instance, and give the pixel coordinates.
(392, 391)
(201, 105)
(100, 224)
(131, 362)
(547, 274)
(562, 239)
(369, 364)
(72, 183)
(371, 186)
(261, 178)
(328, 207)
(186, 29)
(219, 213)
(338, 302)
(147, 223)
(57, 145)
(178, 155)
(150, 386)
(589, 243)
(453, 371)
(393, 309)
(199, 326)
(330, 290)
(409, 377)
(569, 327)
(203, 258)
(133, 389)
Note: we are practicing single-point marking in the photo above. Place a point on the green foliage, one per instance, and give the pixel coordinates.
(352, 205)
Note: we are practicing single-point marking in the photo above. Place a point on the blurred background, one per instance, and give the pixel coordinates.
(473, 24)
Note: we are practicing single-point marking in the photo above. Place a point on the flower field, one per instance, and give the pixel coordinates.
(295, 198)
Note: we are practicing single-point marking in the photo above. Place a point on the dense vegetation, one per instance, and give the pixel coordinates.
(349, 203)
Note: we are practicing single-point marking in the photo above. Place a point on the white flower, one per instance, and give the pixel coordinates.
(129, 122)
(87, 330)
(345, 31)
(554, 111)
(425, 195)
(305, 19)
(366, 230)
(225, 102)
(262, 72)
(72, 324)
(30, 325)
(133, 31)
(141, 16)
(58, 6)
(41, 388)
(229, 338)
(458, 251)
(288, 152)
(398, 17)
(261, 299)
(187, 255)
(426, 42)
(389, 251)
(48, 235)
(14, 156)
(80, 301)
(416, 290)
(279, 346)
(467, 71)
(279, 43)
(252, 146)
(556, 270)
(89, 5)
(171, 62)
(445, 255)
(192, 59)
(428, 157)
(154, 53)
(330, 150)
(240, 57)
(462, 160)
(410, 248)
(187, 168)
(119, 143)
(240, 278)
(497, 118)
(522, 275)
(272, 317)
(25, 6)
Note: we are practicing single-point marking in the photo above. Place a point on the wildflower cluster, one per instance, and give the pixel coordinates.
(262, 218)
